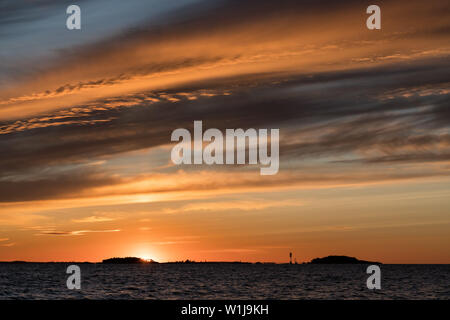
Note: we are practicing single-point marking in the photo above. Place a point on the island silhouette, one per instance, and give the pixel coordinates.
(127, 260)
(332, 259)
(340, 260)
(325, 260)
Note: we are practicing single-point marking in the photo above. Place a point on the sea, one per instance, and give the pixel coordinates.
(223, 281)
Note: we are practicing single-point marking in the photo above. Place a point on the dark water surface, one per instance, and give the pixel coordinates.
(223, 281)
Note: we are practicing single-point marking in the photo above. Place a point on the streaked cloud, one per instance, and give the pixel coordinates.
(11, 244)
(72, 233)
(93, 219)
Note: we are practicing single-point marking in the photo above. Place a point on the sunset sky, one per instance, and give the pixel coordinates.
(86, 118)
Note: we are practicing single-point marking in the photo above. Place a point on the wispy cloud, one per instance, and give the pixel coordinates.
(72, 233)
(11, 244)
(93, 219)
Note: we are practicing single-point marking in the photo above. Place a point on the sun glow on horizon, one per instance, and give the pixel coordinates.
(146, 254)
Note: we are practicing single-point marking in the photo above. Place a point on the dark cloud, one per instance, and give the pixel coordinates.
(244, 22)
(12, 12)
(63, 185)
(343, 112)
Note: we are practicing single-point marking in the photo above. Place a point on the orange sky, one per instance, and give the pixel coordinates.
(364, 138)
